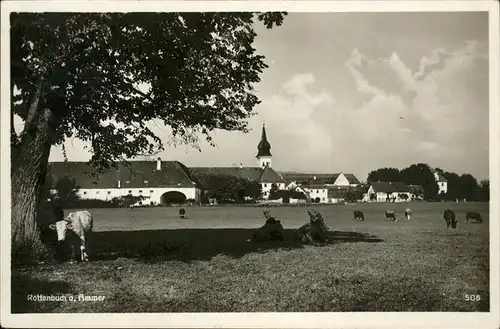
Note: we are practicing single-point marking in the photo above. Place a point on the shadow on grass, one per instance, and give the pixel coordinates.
(198, 244)
(25, 288)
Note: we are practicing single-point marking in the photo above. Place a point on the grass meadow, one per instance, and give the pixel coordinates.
(148, 260)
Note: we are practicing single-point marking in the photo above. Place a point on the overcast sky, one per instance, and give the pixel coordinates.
(353, 92)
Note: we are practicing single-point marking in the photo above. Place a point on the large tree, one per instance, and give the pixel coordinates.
(421, 174)
(104, 77)
(467, 187)
(384, 175)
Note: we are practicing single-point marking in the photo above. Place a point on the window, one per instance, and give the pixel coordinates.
(129, 191)
(140, 191)
(109, 192)
(265, 185)
(151, 191)
(84, 193)
(317, 191)
(97, 192)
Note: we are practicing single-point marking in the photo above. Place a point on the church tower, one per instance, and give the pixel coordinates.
(264, 155)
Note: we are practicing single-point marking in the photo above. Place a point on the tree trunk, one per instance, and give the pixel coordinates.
(29, 166)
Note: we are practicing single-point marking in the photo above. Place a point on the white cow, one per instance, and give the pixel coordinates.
(408, 213)
(79, 223)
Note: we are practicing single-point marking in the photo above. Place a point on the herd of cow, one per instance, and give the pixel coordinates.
(76, 228)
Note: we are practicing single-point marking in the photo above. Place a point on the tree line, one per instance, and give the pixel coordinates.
(460, 187)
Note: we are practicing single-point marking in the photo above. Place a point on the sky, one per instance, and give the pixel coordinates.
(353, 92)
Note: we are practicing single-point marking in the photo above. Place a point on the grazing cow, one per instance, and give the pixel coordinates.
(271, 231)
(314, 231)
(408, 213)
(473, 215)
(391, 215)
(75, 229)
(182, 213)
(358, 215)
(131, 207)
(449, 217)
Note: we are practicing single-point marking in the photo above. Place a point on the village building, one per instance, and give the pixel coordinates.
(441, 181)
(387, 191)
(158, 182)
(264, 173)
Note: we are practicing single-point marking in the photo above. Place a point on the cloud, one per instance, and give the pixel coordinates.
(439, 115)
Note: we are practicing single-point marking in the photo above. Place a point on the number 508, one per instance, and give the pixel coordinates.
(472, 298)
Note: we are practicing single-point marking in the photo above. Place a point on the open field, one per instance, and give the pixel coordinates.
(147, 260)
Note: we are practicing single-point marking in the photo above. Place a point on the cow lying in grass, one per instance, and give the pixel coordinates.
(75, 230)
(408, 213)
(271, 231)
(314, 231)
(449, 217)
(391, 215)
(358, 215)
(472, 215)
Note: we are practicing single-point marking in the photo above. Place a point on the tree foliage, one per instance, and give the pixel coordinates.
(229, 188)
(198, 70)
(421, 174)
(108, 78)
(384, 175)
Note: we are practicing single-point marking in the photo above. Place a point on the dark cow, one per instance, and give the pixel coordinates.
(314, 231)
(408, 213)
(358, 215)
(449, 217)
(391, 215)
(271, 231)
(182, 213)
(472, 215)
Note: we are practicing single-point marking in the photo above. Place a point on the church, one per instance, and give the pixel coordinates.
(157, 181)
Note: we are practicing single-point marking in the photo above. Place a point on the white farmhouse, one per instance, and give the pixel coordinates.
(441, 181)
(382, 191)
(157, 181)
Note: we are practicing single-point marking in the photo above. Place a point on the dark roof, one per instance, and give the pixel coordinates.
(389, 187)
(302, 178)
(309, 178)
(264, 147)
(270, 176)
(255, 174)
(250, 173)
(134, 175)
(352, 179)
(440, 176)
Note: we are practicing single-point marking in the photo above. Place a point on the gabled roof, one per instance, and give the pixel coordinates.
(270, 176)
(134, 174)
(389, 187)
(352, 179)
(440, 178)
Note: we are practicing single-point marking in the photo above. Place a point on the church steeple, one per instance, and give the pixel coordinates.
(264, 149)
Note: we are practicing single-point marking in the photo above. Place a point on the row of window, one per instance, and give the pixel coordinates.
(109, 192)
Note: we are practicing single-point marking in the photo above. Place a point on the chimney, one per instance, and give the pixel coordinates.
(158, 164)
(119, 184)
(241, 165)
